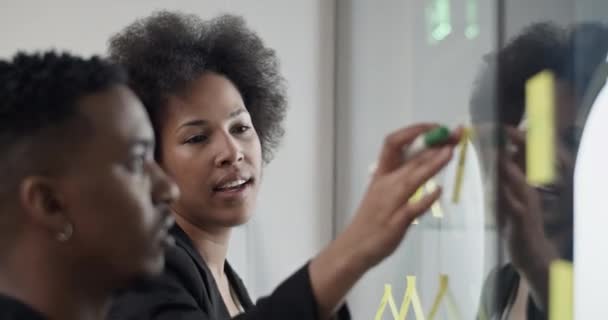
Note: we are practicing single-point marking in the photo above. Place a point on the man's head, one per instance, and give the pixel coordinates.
(80, 185)
(498, 101)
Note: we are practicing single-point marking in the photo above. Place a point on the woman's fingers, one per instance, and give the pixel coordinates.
(391, 155)
(419, 170)
(410, 211)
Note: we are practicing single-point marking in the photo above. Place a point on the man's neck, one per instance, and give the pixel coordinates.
(52, 290)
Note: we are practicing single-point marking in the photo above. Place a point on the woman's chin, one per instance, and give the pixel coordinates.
(235, 219)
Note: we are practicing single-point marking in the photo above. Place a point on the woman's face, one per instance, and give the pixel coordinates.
(212, 151)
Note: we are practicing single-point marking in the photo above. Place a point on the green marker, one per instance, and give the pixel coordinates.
(431, 138)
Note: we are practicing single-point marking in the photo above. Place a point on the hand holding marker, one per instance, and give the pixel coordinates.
(431, 138)
(435, 137)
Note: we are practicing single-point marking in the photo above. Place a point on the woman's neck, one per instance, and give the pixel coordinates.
(211, 244)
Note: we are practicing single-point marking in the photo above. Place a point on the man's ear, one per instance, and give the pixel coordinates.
(42, 201)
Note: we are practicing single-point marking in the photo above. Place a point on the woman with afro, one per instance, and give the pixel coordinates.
(217, 100)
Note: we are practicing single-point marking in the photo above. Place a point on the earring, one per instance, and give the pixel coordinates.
(66, 234)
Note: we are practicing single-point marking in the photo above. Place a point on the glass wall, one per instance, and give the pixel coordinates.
(401, 62)
(520, 76)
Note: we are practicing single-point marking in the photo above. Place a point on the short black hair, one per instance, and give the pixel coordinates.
(540, 46)
(39, 98)
(166, 51)
(587, 50)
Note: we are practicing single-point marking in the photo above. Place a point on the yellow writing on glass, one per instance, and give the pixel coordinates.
(436, 211)
(428, 187)
(540, 142)
(560, 291)
(417, 197)
(444, 293)
(410, 297)
(464, 143)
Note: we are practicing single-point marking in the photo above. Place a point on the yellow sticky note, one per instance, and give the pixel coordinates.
(464, 143)
(561, 286)
(540, 144)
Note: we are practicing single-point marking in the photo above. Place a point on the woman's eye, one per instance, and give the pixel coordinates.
(242, 129)
(196, 139)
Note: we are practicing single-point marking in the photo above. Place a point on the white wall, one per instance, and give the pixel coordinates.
(590, 242)
(294, 216)
(590, 227)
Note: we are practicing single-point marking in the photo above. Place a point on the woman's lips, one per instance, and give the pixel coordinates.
(233, 189)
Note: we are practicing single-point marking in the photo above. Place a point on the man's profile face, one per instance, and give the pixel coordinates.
(116, 194)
